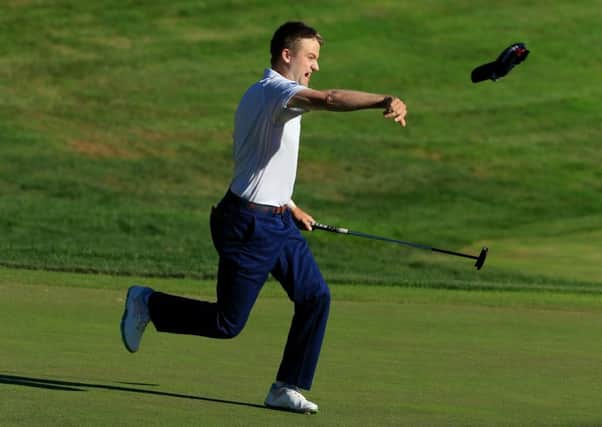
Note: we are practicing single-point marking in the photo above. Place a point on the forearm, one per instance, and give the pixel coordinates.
(351, 100)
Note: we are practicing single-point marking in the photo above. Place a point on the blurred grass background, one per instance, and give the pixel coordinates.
(116, 122)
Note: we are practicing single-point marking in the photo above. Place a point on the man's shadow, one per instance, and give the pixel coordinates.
(79, 386)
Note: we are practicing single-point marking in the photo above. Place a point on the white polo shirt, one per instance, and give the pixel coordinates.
(266, 141)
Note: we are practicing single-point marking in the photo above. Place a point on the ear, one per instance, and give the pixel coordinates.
(286, 55)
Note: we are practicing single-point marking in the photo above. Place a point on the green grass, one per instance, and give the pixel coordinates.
(392, 356)
(115, 140)
(116, 121)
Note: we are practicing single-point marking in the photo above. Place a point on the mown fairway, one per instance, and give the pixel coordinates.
(115, 140)
(393, 356)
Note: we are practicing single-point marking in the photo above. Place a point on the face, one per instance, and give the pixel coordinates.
(302, 61)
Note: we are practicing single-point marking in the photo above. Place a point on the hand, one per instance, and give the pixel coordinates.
(303, 219)
(396, 110)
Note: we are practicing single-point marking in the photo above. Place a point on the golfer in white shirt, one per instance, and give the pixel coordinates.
(256, 226)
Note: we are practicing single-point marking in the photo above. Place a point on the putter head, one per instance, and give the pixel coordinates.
(481, 258)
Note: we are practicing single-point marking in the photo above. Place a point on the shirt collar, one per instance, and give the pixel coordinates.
(270, 73)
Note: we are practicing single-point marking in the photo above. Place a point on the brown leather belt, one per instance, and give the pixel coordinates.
(275, 210)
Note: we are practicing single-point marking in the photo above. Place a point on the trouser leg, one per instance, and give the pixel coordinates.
(179, 315)
(226, 318)
(245, 262)
(300, 276)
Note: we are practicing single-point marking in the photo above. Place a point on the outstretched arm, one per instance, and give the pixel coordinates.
(349, 100)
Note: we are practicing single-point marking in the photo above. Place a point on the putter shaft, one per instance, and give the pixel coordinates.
(340, 230)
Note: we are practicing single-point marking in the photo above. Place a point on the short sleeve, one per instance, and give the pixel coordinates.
(278, 93)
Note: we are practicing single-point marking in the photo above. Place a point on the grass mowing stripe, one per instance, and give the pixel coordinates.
(520, 295)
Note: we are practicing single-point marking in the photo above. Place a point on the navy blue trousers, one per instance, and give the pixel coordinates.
(251, 244)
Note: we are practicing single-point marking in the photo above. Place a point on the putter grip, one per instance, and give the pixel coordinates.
(331, 228)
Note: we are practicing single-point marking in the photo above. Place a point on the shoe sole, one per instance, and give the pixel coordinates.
(122, 326)
(295, 411)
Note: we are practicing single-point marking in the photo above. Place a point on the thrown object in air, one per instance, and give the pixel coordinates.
(511, 56)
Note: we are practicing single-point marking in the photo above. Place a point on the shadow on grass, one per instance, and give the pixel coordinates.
(78, 386)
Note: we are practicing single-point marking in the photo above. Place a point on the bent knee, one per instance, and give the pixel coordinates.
(228, 334)
(229, 330)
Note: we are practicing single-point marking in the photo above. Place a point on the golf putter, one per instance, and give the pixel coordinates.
(340, 230)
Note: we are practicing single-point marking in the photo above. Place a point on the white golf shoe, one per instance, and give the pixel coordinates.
(135, 317)
(288, 398)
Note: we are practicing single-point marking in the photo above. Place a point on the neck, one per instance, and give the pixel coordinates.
(282, 70)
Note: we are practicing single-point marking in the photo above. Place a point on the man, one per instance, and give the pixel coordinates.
(255, 227)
